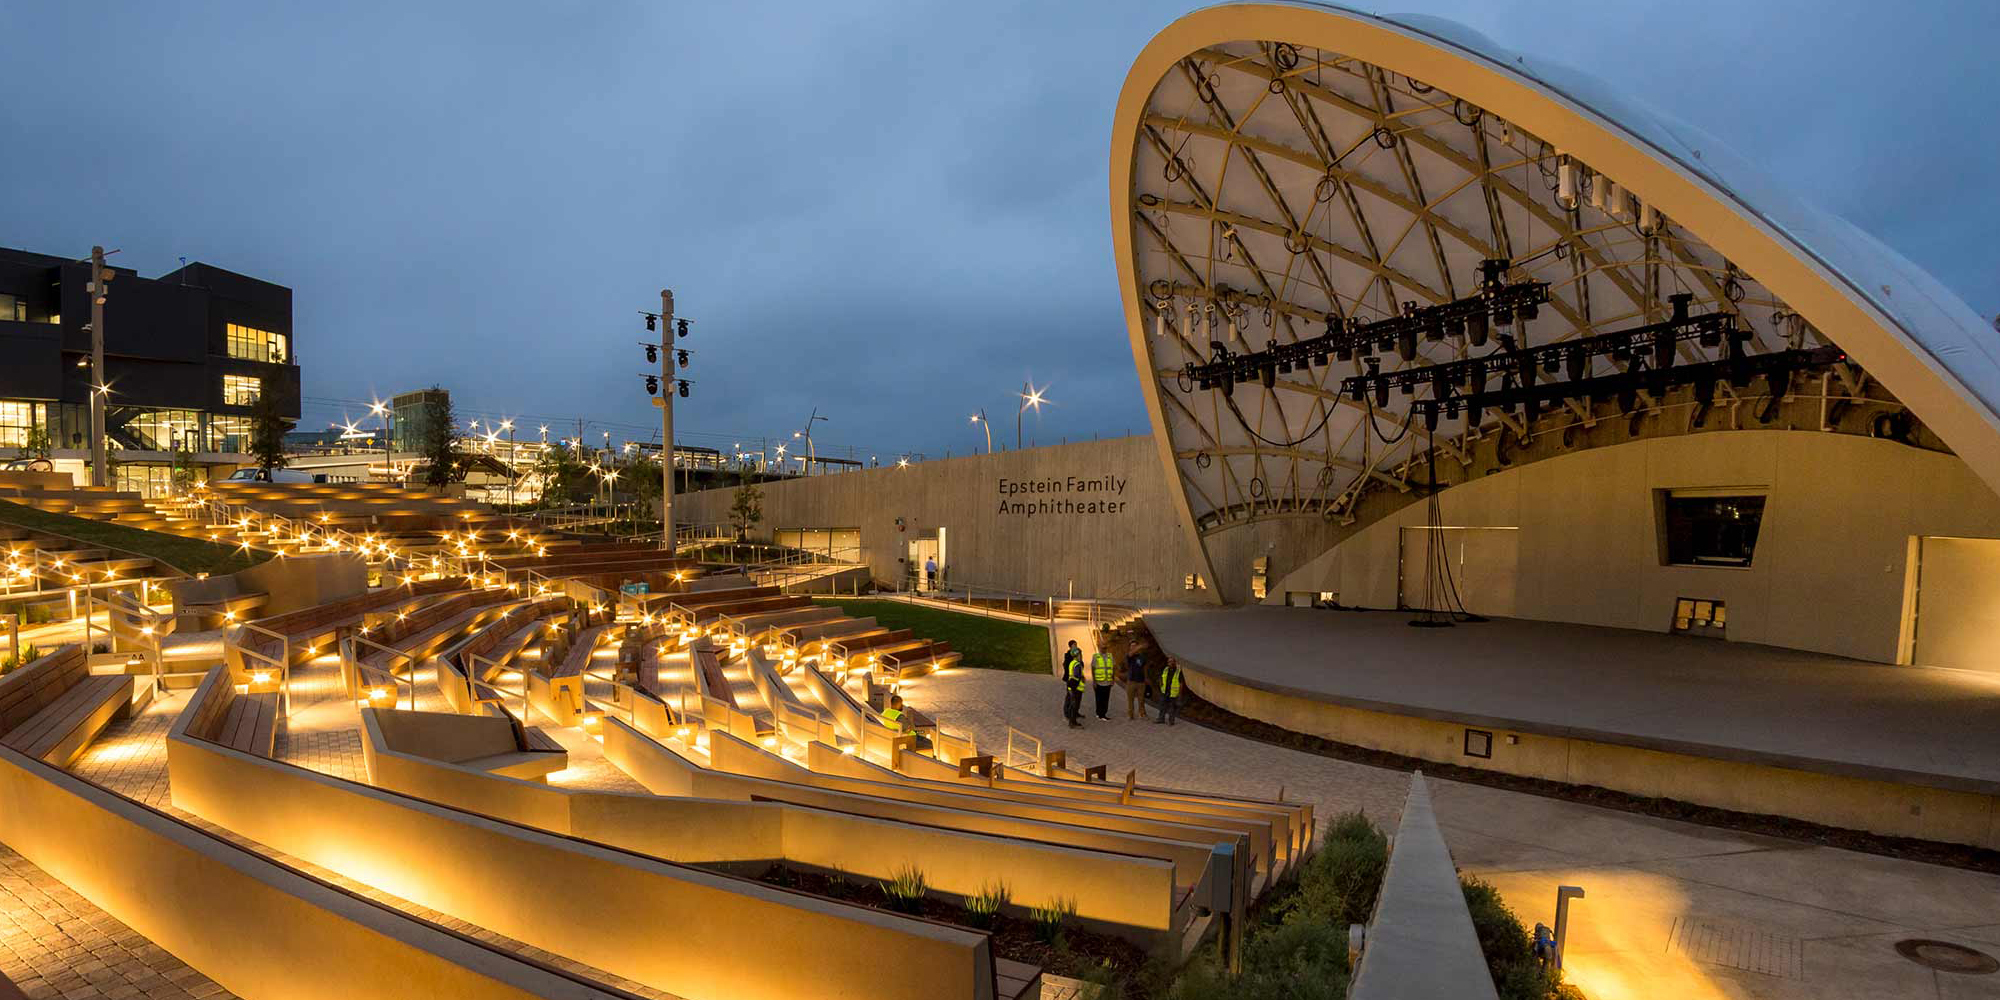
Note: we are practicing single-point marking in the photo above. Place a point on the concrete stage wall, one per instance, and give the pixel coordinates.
(1035, 542)
(1835, 567)
(1885, 807)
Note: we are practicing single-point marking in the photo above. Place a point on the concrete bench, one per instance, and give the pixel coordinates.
(52, 708)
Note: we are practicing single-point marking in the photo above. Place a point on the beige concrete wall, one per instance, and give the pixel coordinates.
(1957, 603)
(254, 927)
(1854, 803)
(297, 582)
(1138, 547)
(577, 900)
(1832, 554)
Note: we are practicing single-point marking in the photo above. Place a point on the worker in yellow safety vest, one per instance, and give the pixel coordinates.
(1103, 671)
(1072, 675)
(893, 715)
(1170, 692)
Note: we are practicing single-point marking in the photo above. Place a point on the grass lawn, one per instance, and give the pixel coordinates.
(992, 643)
(189, 555)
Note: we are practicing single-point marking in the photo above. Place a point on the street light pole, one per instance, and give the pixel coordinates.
(985, 425)
(96, 287)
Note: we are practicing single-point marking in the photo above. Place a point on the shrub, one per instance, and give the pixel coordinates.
(1303, 959)
(905, 889)
(1339, 883)
(20, 659)
(1050, 917)
(1510, 951)
(983, 909)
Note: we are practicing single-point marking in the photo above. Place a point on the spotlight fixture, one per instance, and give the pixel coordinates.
(652, 352)
(681, 327)
(682, 358)
(684, 388)
(652, 323)
(652, 385)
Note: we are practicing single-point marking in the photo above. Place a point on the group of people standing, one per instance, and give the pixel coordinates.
(1104, 674)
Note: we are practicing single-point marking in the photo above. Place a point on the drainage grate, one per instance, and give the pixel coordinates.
(1737, 947)
(1947, 957)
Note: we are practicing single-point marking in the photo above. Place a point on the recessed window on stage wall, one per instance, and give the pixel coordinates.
(1710, 527)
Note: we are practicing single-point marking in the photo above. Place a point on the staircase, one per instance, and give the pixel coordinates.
(1097, 613)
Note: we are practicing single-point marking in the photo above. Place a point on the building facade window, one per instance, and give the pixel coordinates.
(16, 420)
(252, 344)
(1711, 528)
(147, 479)
(241, 390)
(13, 307)
(229, 435)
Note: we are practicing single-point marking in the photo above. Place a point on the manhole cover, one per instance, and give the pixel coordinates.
(1947, 957)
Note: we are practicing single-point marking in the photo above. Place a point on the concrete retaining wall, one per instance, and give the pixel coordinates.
(1884, 807)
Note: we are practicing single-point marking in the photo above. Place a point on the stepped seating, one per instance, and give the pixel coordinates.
(52, 708)
(300, 634)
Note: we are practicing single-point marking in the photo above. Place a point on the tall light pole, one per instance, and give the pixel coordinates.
(985, 425)
(1030, 397)
(513, 469)
(812, 455)
(388, 458)
(666, 399)
(100, 277)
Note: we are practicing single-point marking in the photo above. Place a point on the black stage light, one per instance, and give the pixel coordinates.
(1381, 392)
(1628, 395)
(1503, 316)
(652, 354)
(1320, 356)
(1409, 388)
(1205, 384)
(1434, 330)
(681, 327)
(1475, 329)
(1663, 350)
(1228, 384)
(652, 385)
(1472, 413)
(1679, 302)
(1451, 409)
(684, 389)
(1440, 382)
(1475, 379)
(1430, 418)
(683, 359)
(1529, 311)
(1551, 363)
(1579, 365)
(1267, 374)
(1622, 353)
(1284, 367)
(1525, 369)
(1406, 344)
(1704, 391)
(1345, 352)
(652, 322)
(1456, 328)
(1711, 334)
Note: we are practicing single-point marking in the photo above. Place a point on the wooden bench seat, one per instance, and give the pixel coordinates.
(714, 684)
(52, 708)
(58, 734)
(249, 724)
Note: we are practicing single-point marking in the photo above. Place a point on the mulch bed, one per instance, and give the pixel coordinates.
(1194, 709)
(1015, 938)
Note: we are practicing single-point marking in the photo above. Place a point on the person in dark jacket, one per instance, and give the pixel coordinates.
(1170, 692)
(1135, 685)
(1072, 673)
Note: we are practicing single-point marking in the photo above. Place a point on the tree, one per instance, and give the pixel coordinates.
(643, 479)
(747, 509)
(38, 444)
(268, 427)
(440, 441)
(184, 471)
(560, 474)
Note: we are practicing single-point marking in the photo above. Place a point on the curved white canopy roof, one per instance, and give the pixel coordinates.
(1274, 163)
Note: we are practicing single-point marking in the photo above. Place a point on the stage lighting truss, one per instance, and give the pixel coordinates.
(1496, 304)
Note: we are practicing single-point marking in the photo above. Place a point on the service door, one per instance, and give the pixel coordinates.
(1957, 604)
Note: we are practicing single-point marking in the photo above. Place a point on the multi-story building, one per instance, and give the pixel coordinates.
(185, 356)
(410, 414)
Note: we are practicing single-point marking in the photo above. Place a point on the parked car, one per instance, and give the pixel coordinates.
(275, 476)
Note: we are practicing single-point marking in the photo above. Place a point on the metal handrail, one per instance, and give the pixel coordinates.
(349, 642)
(233, 642)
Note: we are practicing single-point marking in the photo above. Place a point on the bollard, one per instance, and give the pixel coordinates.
(1564, 893)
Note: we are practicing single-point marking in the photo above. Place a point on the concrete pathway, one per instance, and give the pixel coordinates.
(1673, 909)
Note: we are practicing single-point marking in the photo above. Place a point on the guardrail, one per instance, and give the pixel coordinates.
(232, 640)
(355, 666)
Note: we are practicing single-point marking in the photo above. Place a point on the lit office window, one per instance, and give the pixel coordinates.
(16, 420)
(13, 307)
(229, 434)
(241, 390)
(252, 344)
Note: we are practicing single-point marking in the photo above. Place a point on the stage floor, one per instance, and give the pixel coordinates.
(1733, 701)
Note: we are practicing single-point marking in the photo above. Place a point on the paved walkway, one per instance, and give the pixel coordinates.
(1673, 909)
(1923, 725)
